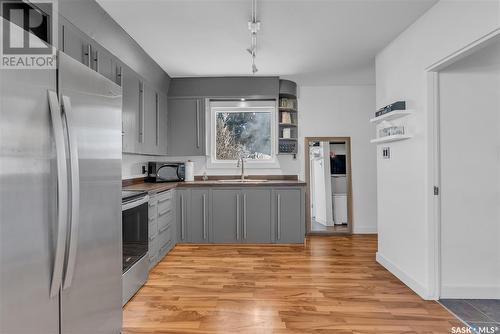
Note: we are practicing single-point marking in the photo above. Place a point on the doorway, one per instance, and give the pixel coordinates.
(468, 169)
(329, 185)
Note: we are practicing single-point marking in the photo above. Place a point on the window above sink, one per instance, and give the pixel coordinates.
(242, 129)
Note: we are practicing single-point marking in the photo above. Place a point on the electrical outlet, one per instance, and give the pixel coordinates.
(386, 152)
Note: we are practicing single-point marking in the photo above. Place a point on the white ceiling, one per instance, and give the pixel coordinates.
(313, 42)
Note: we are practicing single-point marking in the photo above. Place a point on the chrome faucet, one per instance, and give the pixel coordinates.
(242, 167)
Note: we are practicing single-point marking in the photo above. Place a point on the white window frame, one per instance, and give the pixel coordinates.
(237, 106)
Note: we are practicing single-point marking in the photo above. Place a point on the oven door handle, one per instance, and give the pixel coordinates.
(131, 205)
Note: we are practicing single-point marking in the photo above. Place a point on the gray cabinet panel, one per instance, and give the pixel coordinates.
(163, 124)
(186, 127)
(225, 87)
(131, 111)
(256, 215)
(197, 228)
(181, 212)
(102, 62)
(75, 44)
(149, 119)
(226, 215)
(289, 219)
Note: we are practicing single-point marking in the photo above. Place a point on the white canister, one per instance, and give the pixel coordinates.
(189, 172)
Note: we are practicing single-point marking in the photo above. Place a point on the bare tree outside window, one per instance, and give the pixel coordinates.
(243, 134)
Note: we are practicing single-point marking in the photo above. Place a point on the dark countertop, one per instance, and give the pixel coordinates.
(159, 187)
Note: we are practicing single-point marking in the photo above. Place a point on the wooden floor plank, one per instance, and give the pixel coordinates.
(331, 285)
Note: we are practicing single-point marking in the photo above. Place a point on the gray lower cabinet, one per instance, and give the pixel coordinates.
(186, 127)
(256, 215)
(240, 215)
(181, 209)
(197, 229)
(289, 215)
(226, 215)
(162, 225)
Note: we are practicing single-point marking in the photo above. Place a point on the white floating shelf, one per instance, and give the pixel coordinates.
(388, 139)
(391, 115)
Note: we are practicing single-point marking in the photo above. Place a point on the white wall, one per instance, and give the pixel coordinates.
(405, 181)
(470, 176)
(337, 111)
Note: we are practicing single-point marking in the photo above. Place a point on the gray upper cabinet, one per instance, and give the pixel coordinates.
(149, 121)
(226, 215)
(186, 127)
(132, 104)
(102, 62)
(75, 43)
(289, 215)
(256, 215)
(162, 124)
(197, 229)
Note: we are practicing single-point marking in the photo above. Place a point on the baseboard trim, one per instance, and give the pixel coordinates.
(470, 292)
(403, 277)
(364, 230)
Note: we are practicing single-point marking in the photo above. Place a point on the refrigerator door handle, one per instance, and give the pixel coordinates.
(75, 193)
(62, 193)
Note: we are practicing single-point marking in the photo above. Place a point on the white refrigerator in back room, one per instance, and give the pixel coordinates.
(60, 201)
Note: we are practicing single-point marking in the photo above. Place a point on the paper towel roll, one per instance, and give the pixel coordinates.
(189, 174)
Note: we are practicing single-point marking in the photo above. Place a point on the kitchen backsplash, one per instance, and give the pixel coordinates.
(132, 166)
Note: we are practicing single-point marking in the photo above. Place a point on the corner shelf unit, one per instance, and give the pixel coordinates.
(288, 118)
(392, 116)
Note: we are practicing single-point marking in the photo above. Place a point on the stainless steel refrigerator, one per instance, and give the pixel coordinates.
(60, 201)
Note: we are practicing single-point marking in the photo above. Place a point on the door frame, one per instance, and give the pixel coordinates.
(434, 148)
(307, 168)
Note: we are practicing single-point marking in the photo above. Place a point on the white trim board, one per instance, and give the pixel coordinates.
(470, 292)
(403, 277)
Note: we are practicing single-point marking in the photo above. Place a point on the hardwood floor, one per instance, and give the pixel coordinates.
(332, 285)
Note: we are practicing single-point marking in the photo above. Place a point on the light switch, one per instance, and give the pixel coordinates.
(386, 152)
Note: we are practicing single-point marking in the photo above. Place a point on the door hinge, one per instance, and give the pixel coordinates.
(436, 190)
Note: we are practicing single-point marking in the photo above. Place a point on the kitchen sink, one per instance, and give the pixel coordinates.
(243, 181)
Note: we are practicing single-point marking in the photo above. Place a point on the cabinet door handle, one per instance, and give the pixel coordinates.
(163, 200)
(141, 112)
(279, 216)
(164, 228)
(119, 75)
(197, 124)
(164, 212)
(244, 216)
(157, 104)
(88, 54)
(182, 217)
(237, 216)
(96, 60)
(204, 218)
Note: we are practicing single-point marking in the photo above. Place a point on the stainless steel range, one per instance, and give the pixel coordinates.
(135, 242)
